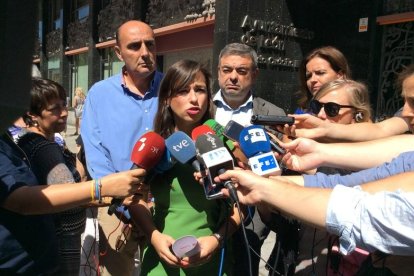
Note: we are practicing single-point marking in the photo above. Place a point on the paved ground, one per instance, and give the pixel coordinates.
(268, 244)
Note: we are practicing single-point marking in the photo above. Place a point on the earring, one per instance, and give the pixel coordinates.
(359, 116)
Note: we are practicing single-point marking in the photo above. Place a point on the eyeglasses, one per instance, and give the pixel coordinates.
(331, 109)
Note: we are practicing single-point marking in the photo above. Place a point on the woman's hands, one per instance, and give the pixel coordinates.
(208, 246)
(162, 244)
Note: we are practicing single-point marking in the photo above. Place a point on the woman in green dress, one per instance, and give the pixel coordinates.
(181, 207)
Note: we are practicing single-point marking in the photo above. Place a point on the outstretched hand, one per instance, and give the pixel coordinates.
(122, 184)
(302, 154)
(247, 183)
(306, 125)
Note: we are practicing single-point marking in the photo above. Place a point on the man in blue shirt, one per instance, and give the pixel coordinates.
(117, 112)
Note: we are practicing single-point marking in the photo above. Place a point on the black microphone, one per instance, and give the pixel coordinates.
(216, 159)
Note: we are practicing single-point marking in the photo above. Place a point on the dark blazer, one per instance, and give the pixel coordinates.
(263, 107)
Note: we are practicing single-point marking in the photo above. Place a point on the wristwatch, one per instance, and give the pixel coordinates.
(219, 238)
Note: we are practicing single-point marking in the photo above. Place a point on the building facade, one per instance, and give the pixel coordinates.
(76, 39)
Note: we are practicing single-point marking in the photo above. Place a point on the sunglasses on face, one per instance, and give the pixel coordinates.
(331, 109)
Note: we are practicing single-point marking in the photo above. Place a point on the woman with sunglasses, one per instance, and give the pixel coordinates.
(181, 208)
(343, 102)
(320, 66)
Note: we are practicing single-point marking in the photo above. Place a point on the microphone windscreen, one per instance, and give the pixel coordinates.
(203, 129)
(166, 162)
(181, 147)
(208, 142)
(219, 129)
(253, 140)
(148, 150)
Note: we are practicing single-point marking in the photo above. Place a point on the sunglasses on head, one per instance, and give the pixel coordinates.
(331, 109)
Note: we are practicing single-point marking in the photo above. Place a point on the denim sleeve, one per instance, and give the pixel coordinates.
(383, 221)
(402, 163)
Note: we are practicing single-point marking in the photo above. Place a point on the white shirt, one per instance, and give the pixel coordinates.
(225, 113)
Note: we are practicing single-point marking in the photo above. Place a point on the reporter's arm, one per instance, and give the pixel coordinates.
(47, 199)
(402, 181)
(305, 154)
(309, 126)
(363, 155)
(307, 204)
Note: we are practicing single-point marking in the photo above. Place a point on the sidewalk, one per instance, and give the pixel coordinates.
(69, 138)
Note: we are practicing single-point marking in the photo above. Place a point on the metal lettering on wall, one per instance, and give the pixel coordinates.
(397, 52)
(269, 39)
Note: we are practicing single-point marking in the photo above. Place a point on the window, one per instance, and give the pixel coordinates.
(80, 10)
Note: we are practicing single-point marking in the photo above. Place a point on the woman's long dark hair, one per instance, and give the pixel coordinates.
(179, 76)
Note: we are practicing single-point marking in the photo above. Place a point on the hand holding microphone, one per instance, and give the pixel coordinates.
(147, 152)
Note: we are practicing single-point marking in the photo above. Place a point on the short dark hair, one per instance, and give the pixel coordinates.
(42, 92)
(239, 49)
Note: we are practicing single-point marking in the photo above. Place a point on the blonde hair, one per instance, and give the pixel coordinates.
(358, 96)
(79, 92)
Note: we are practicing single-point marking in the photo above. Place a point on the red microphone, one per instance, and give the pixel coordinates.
(200, 130)
(148, 151)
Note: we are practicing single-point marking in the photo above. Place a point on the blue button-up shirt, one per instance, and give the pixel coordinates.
(383, 221)
(113, 119)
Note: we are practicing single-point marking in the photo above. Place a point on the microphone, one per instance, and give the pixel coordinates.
(146, 153)
(165, 164)
(255, 144)
(203, 129)
(219, 129)
(182, 148)
(233, 129)
(216, 159)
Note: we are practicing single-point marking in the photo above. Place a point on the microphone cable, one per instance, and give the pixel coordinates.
(223, 245)
(246, 241)
(235, 199)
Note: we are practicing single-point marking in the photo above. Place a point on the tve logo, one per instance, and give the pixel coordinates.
(183, 144)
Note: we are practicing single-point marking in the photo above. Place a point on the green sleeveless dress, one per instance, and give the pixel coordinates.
(181, 209)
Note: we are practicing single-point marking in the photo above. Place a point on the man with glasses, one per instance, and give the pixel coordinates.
(237, 73)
